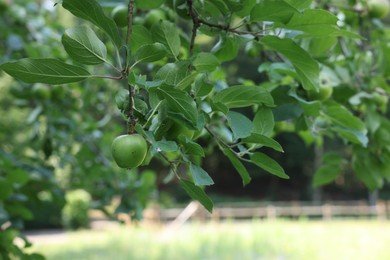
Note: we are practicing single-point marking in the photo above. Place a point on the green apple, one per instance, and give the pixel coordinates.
(58, 92)
(252, 49)
(154, 16)
(378, 8)
(41, 91)
(324, 92)
(119, 14)
(172, 155)
(380, 100)
(129, 151)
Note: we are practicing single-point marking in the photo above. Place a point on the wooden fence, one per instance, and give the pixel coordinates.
(270, 210)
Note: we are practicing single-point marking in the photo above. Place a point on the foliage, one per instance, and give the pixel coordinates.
(171, 66)
(75, 213)
(184, 83)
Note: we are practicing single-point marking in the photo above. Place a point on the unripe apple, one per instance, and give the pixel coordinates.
(380, 100)
(119, 14)
(129, 151)
(378, 8)
(154, 16)
(324, 92)
(41, 91)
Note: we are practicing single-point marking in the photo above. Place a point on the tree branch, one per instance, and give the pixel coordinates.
(131, 120)
(130, 11)
(198, 21)
(195, 24)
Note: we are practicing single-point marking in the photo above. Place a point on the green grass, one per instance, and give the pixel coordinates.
(247, 240)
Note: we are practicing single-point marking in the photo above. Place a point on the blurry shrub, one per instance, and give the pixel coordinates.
(75, 212)
(46, 208)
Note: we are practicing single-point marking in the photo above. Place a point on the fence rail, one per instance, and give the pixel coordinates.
(271, 210)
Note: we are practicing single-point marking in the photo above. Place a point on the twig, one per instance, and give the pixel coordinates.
(228, 29)
(130, 11)
(221, 142)
(198, 21)
(195, 24)
(131, 120)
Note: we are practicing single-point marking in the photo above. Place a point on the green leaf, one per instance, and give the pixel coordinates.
(5, 189)
(92, 11)
(373, 120)
(174, 74)
(273, 11)
(238, 166)
(226, 49)
(202, 87)
(351, 135)
(385, 61)
(82, 45)
(20, 211)
(141, 80)
(205, 62)
(341, 116)
(331, 168)
(201, 177)
(198, 194)
(264, 122)
(243, 96)
(365, 170)
(48, 71)
(240, 124)
(317, 23)
(300, 4)
(191, 148)
(288, 111)
(325, 174)
(18, 176)
(319, 45)
(179, 102)
(167, 146)
(306, 67)
(150, 53)
(264, 140)
(186, 81)
(268, 164)
(247, 6)
(148, 4)
(140, 36)
(167, 33)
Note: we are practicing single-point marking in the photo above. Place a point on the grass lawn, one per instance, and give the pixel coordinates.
(281, 239)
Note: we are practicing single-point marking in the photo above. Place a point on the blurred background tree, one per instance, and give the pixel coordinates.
(56, 139)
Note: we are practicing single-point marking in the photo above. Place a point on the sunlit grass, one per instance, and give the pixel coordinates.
(247, 240)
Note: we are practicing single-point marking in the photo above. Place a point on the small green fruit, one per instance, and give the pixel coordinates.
(380, 100)
(252, 49)
(324, 92)
(129, 151)
(154, 16)
(172, 155)
(378, 8)
(119, 14)
(41, 91)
